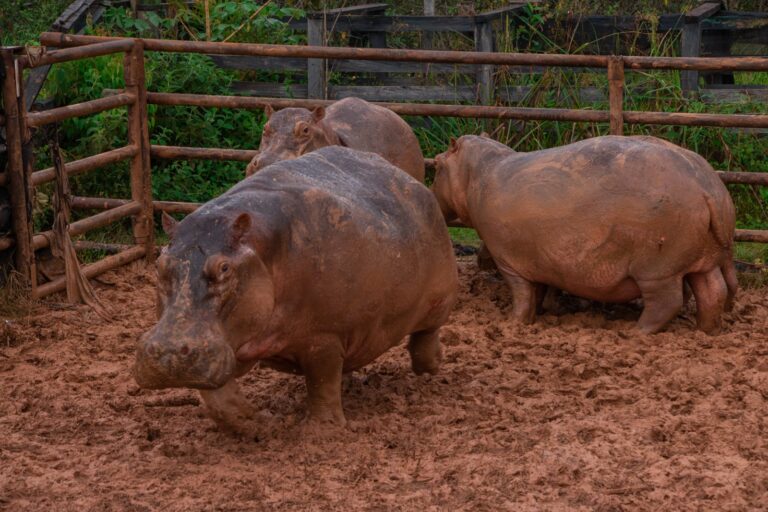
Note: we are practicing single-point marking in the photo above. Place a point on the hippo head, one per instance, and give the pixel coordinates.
(214, 295)
(465, 155)
(449, 185)
(290, 133)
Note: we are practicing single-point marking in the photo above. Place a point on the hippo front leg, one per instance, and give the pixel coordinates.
(523, 295)
(229, 408)
(323, 370)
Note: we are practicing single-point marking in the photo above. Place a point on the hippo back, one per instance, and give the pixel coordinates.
(367, 127)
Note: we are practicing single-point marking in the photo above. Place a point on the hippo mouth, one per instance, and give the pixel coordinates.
(209, 367)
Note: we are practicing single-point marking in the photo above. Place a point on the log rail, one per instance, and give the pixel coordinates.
(140, 207)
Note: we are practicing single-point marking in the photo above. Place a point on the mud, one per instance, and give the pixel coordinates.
(575, 412)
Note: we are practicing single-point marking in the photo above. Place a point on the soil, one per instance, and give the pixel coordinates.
(575, 412)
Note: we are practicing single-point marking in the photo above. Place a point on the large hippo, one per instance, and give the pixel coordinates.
(316, 266)
(351, 122)
(609, 219)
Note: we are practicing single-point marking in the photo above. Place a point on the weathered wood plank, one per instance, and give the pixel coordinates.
(269, 89)
(463, 93)
(733, 94)
(250, 63)
(405, 93)
(397, 24)
(355, 9)
(316, 78)
(484, 76)
(702, 11)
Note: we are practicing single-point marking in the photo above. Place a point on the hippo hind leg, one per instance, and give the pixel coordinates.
(712, 294)
(662, 300)
(731, 282)
(426, 351)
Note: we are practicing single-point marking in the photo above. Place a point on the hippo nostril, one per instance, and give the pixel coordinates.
(184, 350)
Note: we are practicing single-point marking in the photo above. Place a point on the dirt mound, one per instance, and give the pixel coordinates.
(576, 412)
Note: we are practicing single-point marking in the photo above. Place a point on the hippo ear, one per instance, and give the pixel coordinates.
(318, 113)
(268, 110)
(169, 224)
(240, 228)
(485, 135)
(452, 145)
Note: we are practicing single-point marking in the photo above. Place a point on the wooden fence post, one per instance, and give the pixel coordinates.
(138, 135)
(316, 79)
(690, 42)
(484, 77)
(426, 36)
(19, 186)
(616, 94)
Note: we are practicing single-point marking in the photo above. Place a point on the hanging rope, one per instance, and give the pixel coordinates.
(79, 289)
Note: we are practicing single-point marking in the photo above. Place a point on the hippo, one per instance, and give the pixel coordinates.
(609, 218)
(314, 266)
(351, 122)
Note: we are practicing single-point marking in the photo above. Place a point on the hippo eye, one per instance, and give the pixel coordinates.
(224, 267)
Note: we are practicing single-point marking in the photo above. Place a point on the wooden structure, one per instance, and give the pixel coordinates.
(706, 30)
(368, 25)
(21, 178)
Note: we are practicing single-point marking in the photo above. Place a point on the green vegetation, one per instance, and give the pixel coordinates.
(251, 21)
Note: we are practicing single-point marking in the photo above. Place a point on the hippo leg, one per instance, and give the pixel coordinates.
(711, 294)
(484, 258)
(662, 300)
(323, 371)
(729, 274)
(229, 408)
(523, 296)
(426, 352)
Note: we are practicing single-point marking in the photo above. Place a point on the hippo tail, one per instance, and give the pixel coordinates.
(718, 221)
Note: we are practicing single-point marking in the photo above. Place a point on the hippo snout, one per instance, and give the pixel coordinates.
(185, 361)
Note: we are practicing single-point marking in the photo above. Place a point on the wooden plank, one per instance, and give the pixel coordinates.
(702, 11)
(484, 76)
(464, 93)
(494, 14)
(247, 62)
(410, 92)
(738, 94)
(316, 80)
(355, 9)
(690, 45)
(270, 89)
(397, 24)
(426, 37)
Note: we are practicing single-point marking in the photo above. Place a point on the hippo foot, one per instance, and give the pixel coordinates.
(229, 409)
(426, 352)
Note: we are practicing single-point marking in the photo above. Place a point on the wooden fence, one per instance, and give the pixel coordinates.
(21, 178)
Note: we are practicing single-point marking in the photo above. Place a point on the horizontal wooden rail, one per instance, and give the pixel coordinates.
(458, 57)
(752, 235)
(99, 220)
(94, 269)
(37, 119)
(181, 152)
(428, 109)
(88, 245)
(81, 52)
(6, 242)
(412, 109)
(744, 178)
(85, 164)
(105, 203)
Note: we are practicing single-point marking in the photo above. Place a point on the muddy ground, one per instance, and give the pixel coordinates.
(575, 412)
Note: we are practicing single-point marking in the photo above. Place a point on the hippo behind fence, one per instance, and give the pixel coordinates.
(316, 266)
(351, 122)
(609, 219)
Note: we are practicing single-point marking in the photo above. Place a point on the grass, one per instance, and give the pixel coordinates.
(22, 21)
